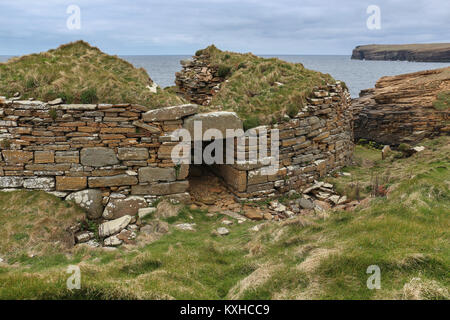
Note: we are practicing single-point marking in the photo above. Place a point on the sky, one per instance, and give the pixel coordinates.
(142, 27)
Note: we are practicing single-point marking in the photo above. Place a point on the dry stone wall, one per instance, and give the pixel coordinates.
(88, 152)
(198, 81)
(121, 154)
(317, 141)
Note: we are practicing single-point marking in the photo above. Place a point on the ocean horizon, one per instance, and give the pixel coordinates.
(357, 74)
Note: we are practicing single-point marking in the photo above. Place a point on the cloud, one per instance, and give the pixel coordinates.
(181, 27)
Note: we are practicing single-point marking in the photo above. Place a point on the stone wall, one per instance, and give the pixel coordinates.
(317, 141)
(122, 151)
(198, 81)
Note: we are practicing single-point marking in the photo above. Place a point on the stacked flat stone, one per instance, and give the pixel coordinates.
(317, 141)
(125, 152)
(118, 149)
(198, 81)
(400, 108)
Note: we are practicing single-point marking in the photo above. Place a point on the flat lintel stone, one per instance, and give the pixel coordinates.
(219, 120)
(170, 113)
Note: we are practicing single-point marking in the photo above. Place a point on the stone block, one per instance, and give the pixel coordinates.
(154, 174)
(44, 157)
(17, 156)
(170, 113)
(160, 189)
(90, 200)
(70, 183)
(133, 153)
(67, 157)
(117, 208)
(98, 157)
(43, 183)
(112, 181)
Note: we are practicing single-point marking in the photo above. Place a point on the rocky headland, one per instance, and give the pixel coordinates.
(405, 108)
(431, 52)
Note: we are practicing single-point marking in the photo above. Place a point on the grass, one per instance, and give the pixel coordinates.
(442, 101)
(80, 73)
(406, 234)
(261, 90)
(34, 223)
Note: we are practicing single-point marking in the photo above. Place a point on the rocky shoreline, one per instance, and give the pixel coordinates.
(403, 109)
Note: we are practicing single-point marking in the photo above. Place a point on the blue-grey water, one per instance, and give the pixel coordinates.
(357, 74)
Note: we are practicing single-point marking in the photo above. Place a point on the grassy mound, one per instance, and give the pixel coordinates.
(35, 223)
(406, 234)
(261, 90)
(80, 73)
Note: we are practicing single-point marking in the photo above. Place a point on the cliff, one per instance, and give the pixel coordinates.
(404, 108)
(432, 52)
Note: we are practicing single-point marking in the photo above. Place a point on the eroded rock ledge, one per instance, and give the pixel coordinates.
(401, 109)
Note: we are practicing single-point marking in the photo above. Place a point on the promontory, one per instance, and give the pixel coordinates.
(430, 52)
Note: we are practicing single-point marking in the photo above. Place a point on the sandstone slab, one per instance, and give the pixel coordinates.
(17, 156)
(170, 113)
(154, 174)
(114, 226)
(133, 153)
(219, 120)
(90, 200)
(98, 157)
(39, 183)
(117, 208)
(160, 189)
(112, 181)
(11, 182)
(70, 183)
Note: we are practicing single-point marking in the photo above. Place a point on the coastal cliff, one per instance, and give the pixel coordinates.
(433, 52)
(404, 108)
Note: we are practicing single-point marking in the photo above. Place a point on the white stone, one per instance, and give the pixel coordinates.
(334, 199)
(419, 148)
(59, 194)
(227, 222)
(342, 200)
(112, 241)
(142, 213)
(186, 226)
(93, 243)
(85, 236)
(39, 183)
(113, 226)
(11, 182)
(223, 231)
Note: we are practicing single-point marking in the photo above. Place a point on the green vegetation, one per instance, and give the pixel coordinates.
(442, 101)
(79, 73)
(405, 233)
(260, 88)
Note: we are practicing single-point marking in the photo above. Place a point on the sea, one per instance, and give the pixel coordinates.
(357, 74)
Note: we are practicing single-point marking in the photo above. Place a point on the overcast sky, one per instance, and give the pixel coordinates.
(182, 27)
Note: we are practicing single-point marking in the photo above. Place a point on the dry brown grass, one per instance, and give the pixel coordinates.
(32, 223)
(80, 73)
